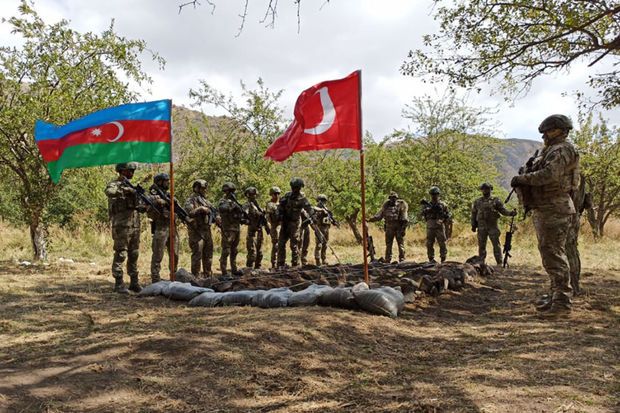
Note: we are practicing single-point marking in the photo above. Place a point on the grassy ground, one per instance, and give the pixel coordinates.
(68, 344)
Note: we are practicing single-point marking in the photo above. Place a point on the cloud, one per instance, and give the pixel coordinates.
(333, 40)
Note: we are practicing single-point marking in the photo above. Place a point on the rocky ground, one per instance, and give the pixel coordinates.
(68, 344)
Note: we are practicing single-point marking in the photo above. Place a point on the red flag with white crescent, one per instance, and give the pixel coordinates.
(327, 116)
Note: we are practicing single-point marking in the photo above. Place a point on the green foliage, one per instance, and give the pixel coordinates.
(56, 75)
(599, 147)
(516, 41)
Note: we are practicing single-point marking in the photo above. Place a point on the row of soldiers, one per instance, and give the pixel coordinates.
(286, 219)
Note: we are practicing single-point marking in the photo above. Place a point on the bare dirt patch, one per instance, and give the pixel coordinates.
(68, 344)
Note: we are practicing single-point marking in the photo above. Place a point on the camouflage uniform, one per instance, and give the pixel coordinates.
(271, 211)
(199, 231)
(485, 214)
(254, 240)
(304, 243)
(232, 216)
(582, 201)
(290, 216)
(554, 175)
(160, 228)
(123, 207)
(324, 222)
(395, 213)
(437, 217)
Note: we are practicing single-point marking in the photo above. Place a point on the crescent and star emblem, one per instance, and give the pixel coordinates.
(329, 114)
(121, 130)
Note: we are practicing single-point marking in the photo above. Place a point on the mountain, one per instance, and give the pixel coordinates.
(513, 154)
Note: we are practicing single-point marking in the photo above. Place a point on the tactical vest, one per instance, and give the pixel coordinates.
(122, 208)
(230, 214)
(487, 215)
(566, 183)
(322, 217)
(293, 206)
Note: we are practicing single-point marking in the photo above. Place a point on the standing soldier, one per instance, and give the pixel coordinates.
(485, 213)
(256, 222)
(304, 241)
(437, 218)
(232, 216)
(547, 189)
(290, 216)
(123, 208)
(325, 220)
(271, 210)
(160, 225)
(203, 215)
(394, 211)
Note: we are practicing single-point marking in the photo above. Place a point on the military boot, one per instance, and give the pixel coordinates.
(234, 271)
(318, 261)
(119, 286)
(560, 304)
(134, 284)
(223, 270)
(543, 303)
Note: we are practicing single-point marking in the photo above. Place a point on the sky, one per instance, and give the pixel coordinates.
(333, 40)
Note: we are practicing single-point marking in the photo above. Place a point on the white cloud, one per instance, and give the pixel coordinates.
(334, 40)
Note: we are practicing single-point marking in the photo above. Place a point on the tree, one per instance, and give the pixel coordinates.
(599, 146)
(517, 41)
(57, 75)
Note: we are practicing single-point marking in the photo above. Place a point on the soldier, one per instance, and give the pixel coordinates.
(546, 189)
(304, 242)
(256, 222)
(160, 225)
(203, 215)
(123, 209)
(271, 210)
(394, 211)
(582, 201)
(290, 217)
(325, 220)
(232, 216)
(485, 213)
(438, 219)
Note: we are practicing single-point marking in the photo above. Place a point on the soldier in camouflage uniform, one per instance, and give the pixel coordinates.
(203, 215)
(485, 213)
(395, 213)
(582, 201)
(437, 217)
(160, 226)
(271, 210)
(324, 220)
(123, 208)
(232, 216)
(549, 183)
(290, 217)
(256, 222)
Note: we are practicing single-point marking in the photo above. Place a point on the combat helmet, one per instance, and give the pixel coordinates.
(393, 194)
(200, 183)
(321, 197)
(161, 177)
(228, 186)
(126, 166)
(555, 122)
(274, 190)
(297, 183)
(250, 190)
(434, 190)
(485, 185)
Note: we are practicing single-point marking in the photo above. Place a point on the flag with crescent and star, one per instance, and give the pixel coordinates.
(135, 132)
(327, 116)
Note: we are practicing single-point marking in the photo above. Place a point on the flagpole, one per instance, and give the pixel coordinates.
(363, 181)
(172, 234)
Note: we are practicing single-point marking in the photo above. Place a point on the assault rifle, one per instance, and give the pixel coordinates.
(309, 221)
(370, 245)
(246, 216)
(262, 222)
(508, 243)
(331, 218)
(141, 192)
(212, 211)
(182, 213)
(523, 170)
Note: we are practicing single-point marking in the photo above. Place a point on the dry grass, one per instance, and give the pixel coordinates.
(68, 344)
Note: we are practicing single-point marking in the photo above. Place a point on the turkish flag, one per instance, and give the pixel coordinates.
(327, 116)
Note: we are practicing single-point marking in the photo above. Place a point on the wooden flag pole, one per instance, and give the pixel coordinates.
(172, 234)
(363, 185)
(172, 226)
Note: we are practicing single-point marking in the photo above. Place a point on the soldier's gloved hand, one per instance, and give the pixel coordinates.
(160, 202)
(513, 213)
(518, 180)
(128, 190)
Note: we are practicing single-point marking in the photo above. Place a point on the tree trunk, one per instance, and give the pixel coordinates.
(37, 237)
(592, 221)
(352, 221)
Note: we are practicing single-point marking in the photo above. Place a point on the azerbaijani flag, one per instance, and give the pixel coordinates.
(138, 132)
